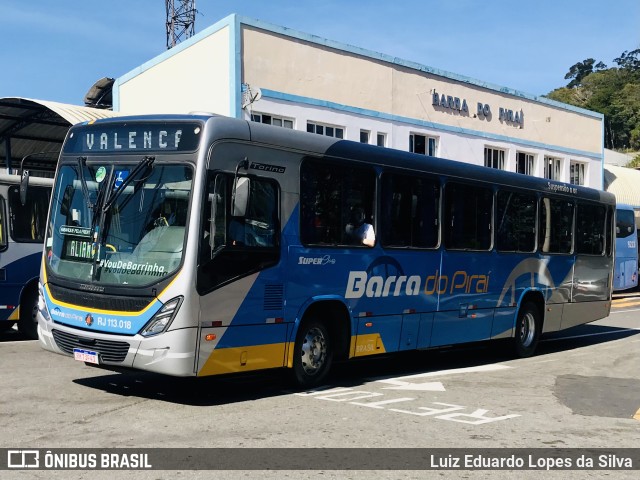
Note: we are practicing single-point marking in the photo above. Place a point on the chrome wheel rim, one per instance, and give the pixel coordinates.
(527, 330)
(313, 351)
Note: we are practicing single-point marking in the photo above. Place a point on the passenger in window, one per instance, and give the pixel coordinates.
(358, 230)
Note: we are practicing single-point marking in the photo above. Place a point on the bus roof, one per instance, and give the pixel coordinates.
(312, 144)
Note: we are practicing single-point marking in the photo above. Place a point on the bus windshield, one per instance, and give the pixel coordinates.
(108, 229)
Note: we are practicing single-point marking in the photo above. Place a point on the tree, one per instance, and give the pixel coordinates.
(629, 60)
(614, 92)
(635, 162)
(581, 69)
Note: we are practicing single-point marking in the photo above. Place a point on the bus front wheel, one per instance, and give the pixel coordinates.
(527, 332)
(313, 354)
(28, 323)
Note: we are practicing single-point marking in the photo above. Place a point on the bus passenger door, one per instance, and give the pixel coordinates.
(592, 272)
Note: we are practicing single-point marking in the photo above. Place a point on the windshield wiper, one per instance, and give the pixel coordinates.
(82, 161)
(146, 162)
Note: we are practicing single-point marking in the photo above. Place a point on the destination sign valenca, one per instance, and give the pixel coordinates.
(133, 138)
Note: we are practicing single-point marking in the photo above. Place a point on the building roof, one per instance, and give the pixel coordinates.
(623, 183)
(34, 126)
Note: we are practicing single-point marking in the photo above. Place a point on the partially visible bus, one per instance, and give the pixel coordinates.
(22, 230)
(625, 274)
(204, 245)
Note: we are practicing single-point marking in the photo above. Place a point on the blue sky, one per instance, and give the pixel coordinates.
(56, 50)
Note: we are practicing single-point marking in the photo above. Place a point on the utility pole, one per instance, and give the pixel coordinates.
(181, 19)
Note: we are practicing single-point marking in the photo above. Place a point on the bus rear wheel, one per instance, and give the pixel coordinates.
(28, 324)
(313, 354)
(528, 329)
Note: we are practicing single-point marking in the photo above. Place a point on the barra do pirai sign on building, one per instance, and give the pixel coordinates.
(483, 111)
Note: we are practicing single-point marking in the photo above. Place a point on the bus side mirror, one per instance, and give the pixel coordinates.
(24, 187)
(240, 196)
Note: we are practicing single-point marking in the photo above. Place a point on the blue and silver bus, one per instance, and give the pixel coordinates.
(22, 230)
(203, 245)
(626, 257)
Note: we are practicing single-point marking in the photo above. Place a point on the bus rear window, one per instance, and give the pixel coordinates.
(625, 223)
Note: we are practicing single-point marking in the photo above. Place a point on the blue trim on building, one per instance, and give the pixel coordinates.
(235, 67)
(266, 93)
(602, 165)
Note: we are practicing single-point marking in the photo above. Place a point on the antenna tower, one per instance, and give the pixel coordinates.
(181, 19)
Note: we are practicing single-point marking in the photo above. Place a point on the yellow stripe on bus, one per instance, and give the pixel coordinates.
(15, 315)
(244, 359)
(369, 344)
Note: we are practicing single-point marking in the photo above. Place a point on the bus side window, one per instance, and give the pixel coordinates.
(328, 195)
(409, 214)
(467, 215)
(515, 222)
(28, 221)
(556, 225)
(590, 223)
(3, 228)
(234, 246)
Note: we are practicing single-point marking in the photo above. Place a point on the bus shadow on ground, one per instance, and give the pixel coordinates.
(13, 335)
(236, 388)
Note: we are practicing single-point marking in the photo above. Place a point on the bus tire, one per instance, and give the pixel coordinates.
(312, 355)
(528, 329)
(28, 324)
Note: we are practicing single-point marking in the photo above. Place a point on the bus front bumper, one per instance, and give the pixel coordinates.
(169, 353)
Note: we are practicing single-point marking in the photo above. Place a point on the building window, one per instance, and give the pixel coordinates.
(423, 144)
(272, 120)
(577, 173)
(381, 139)
(327, 130)
(552, 168)
(524, 163)
(364, 136)
(494, 158)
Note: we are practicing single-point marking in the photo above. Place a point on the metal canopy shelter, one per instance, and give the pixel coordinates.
(28, 127)
(623, 182)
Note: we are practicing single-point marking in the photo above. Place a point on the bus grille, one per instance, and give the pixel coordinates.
(109, 350)
(99, 300)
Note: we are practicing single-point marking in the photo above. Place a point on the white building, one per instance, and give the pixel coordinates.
(246, 68)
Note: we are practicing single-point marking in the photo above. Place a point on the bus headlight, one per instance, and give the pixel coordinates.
(161, 320)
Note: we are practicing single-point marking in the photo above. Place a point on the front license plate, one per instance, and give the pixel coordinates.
(86, 356)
